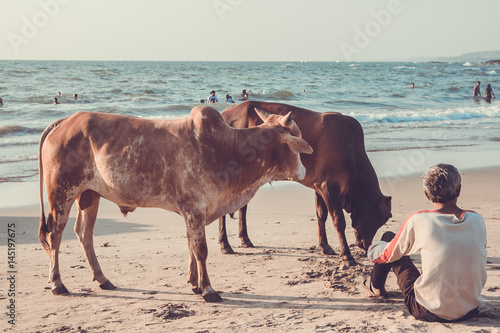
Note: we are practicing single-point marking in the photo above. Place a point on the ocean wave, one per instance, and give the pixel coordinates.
(166, 116)
(22, 72)
(111, 109)
(104, 73)
(430, 115)
(419, 148)
(157, 82)
(143, 99)
(20, 158)
(403, 67)
(468, 64)
(351, 103)
(18, 144)
(13, 179)
(18, 130)
(178, 107)
(40, 99)
(275, 95)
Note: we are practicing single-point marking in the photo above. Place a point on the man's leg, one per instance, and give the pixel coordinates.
(380, 271)
(406, 275)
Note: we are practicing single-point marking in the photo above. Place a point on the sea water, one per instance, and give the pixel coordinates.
(438, 116)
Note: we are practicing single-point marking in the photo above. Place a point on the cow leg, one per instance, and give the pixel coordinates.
(88, 204)
(198, 248)
(331, 196)
(225, 247)
(55, 228)
(245, 241)
(322, 214)
(192, 268)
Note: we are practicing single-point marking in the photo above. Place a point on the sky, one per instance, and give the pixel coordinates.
(246, 30)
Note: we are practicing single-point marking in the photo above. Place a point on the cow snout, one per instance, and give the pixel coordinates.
(363, 244)
(301, 173)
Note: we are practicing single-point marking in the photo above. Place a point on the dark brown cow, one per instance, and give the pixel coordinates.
(339, 171)
(197, 167)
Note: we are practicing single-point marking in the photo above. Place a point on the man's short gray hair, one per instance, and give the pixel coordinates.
(442, 182)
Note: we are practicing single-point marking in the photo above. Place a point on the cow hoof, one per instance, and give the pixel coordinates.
(227, 250)
(107, 286)
(247, 243)
(197, 290)
(349, 262)
(212, 297)
(61, 290)
(327, 249)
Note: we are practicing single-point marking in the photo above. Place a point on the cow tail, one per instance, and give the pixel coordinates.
(43, 228)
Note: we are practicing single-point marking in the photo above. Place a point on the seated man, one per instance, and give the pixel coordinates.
(452, 244)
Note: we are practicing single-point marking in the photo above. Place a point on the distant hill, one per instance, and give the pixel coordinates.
(491, 62)
(478, 56)
(470, 57)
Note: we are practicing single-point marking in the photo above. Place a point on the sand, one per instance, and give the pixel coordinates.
(283, 284)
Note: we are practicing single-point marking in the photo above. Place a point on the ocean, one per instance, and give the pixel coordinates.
(437, 116)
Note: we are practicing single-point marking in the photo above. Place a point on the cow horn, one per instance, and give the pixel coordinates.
(262, 114)
(286, 121)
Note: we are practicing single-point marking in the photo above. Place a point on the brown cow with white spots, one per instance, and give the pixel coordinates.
(198, 167)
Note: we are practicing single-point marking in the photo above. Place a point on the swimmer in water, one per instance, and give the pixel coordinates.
(212, 98)
(477, 90)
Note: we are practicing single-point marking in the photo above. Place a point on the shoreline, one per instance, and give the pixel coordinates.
(390, 167)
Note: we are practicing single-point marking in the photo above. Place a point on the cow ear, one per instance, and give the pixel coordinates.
(262, 114)
(286, 121)
(298, 145)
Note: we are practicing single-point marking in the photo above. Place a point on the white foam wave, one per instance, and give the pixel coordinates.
(430, 115)
(402, 67)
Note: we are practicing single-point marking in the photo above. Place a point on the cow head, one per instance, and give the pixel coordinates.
(289, 145)
(367, 217)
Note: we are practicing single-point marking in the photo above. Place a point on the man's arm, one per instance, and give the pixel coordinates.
(403, 244)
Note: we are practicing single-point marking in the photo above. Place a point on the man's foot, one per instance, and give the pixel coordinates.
(367, 284)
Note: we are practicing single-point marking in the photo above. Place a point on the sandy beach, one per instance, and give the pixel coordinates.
(283, 284)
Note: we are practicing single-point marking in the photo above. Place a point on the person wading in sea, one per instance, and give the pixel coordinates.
(488, 92)
(477, 90)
